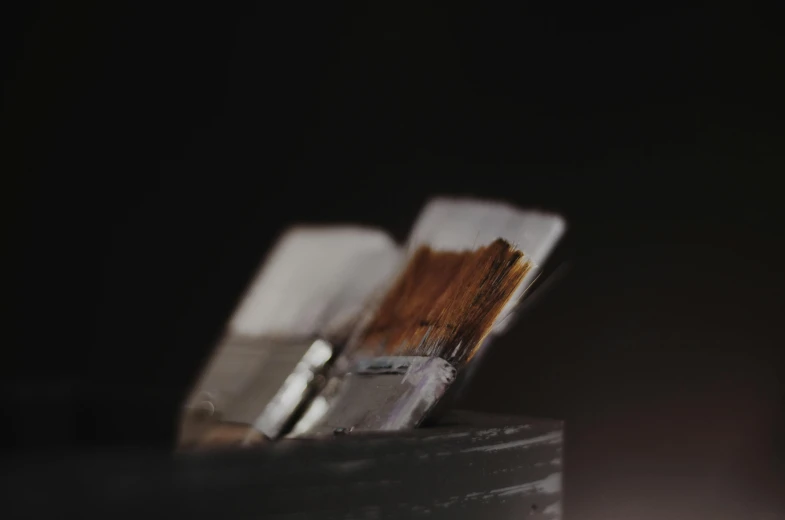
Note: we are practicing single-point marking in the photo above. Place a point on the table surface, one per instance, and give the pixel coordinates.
(469, 466)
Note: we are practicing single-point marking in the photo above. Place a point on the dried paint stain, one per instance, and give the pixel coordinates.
(550, 438)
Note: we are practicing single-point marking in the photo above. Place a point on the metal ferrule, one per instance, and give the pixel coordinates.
(261, 383)
(378, 394)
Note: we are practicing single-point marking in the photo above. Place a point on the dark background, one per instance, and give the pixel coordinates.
(152, 155)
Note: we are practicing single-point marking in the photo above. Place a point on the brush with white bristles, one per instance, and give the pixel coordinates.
(302, 303)
(469, 262)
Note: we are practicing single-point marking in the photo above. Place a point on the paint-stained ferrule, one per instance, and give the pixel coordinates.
(263, 384)
(378, 394)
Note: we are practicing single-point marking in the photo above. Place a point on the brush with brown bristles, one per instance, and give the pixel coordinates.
(433, 320)
(445, 303)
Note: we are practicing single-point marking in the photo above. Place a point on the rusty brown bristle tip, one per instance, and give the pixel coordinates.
(445, 303)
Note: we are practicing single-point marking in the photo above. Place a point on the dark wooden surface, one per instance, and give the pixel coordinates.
(470, 467)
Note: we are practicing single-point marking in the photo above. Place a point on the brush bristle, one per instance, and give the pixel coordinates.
(445, 302)
(449, 223)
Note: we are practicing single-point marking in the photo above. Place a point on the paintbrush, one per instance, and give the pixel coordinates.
(463, 223)
(295, 315)
(458, 288)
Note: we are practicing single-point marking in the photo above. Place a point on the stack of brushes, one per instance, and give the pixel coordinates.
(345, 331)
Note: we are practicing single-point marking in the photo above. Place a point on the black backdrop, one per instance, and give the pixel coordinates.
(152, 155)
